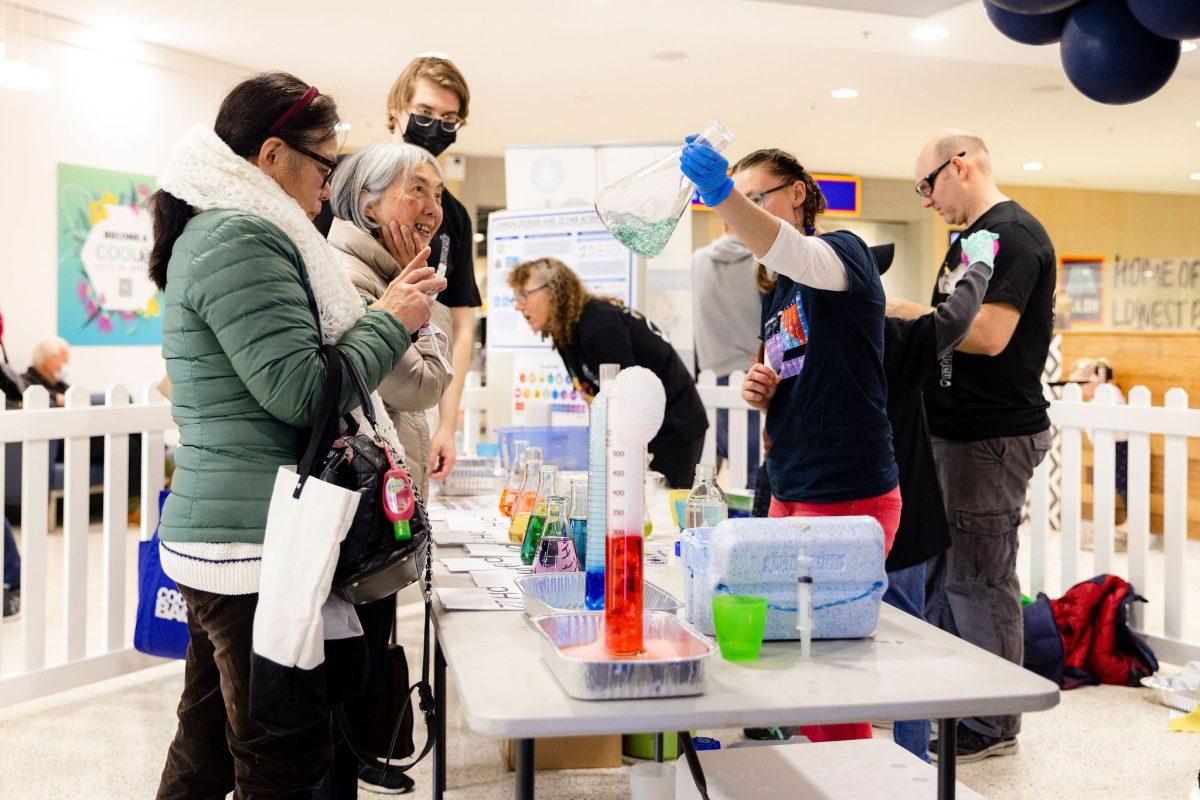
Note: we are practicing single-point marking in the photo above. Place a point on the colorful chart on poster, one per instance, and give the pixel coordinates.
(104, 236)
(543, 393)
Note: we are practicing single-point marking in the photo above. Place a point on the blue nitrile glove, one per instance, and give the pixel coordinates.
(981, 248)
(707, 169)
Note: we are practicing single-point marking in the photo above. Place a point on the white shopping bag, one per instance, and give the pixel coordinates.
(300, 552)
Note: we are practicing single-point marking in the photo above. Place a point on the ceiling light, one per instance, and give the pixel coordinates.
(1033, 165)
(1187, 47)
(844, 94)
(930, 33)
(1195, 176)
(23, 77)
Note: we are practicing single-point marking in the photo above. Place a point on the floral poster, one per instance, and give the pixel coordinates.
(104, 235)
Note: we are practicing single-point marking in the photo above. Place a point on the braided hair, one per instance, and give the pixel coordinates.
(789, 169)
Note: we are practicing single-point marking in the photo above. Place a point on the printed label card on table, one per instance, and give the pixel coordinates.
(507, 578)
(483, 549)
(472, 564)
(494, 598)
(447, 538)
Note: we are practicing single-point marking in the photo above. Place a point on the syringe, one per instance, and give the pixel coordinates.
(804, 607)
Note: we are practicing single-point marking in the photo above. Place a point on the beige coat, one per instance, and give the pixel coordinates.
(417, 382)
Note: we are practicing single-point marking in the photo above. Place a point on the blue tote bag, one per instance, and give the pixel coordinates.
(161, 627)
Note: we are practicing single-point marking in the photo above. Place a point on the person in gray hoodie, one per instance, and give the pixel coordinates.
(726, 306)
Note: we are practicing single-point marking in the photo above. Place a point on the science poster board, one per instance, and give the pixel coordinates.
(104, 237)
(574, 236)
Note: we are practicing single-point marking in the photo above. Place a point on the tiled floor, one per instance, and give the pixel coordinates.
(108, 741)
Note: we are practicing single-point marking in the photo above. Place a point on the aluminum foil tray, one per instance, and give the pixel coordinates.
(1178, 699)
(563, 592)
(623, 679)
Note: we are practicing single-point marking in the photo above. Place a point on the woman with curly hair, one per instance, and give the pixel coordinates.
(588, 330)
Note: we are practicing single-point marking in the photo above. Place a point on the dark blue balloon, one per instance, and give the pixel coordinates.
(1171, 19)
(1112, 59)
(1034, 6)
(1027, 28)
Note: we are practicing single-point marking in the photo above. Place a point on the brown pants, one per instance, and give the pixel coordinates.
(217, 748)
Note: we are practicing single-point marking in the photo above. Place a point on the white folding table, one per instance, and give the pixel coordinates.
(907, 670)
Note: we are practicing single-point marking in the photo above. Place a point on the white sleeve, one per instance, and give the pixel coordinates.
(806, 260)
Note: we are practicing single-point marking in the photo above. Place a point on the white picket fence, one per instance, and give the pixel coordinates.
(1177, 424)
(34, 427)
(37, 424)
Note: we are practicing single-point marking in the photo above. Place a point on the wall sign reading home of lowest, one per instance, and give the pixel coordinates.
(1155, 294)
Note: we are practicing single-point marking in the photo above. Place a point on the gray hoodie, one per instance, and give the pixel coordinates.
(726, 306)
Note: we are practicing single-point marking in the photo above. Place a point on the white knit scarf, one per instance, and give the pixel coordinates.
(207, 175)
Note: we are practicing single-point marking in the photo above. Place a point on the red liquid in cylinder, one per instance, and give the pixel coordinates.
(623, 595)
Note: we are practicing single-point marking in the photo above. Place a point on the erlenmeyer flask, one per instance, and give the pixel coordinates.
(512, 483)
(642, 209)
(556, 551)
(547, 487)
(523, 504)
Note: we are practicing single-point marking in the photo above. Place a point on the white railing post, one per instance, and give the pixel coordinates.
(76, 501)
(35, 493)
(472, 413)
(1072, 476)
(153, 465)
(116, 527)
(1137, 506)
(1039, 526)
(1175, 520)
(707, 380)
(738, 434)
(1104, 481)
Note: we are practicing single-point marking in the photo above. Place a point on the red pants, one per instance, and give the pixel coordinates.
(886, 509)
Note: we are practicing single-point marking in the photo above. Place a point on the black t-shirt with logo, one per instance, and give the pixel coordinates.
(978, 397)
(830, 437)
(612, 334)
(452, 242)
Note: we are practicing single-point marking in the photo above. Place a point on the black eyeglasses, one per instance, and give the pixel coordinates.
(760, 198)
(522, 295)
(924, 187)
(320, 159)
(450, 123)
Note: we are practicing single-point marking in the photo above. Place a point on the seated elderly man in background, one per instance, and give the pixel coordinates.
(47, 368)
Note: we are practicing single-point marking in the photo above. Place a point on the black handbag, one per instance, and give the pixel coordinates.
(374, 561)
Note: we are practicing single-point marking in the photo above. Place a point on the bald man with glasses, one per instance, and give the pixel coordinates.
(986, 411)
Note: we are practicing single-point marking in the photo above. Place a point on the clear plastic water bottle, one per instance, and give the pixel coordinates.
(706, 504)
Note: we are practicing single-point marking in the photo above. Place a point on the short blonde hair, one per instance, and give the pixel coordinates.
(439, 70)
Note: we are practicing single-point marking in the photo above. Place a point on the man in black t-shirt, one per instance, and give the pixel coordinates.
(986, 412)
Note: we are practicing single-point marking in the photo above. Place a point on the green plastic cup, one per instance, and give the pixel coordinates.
(739, 620)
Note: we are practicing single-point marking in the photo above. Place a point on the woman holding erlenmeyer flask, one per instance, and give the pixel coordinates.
(822, 386)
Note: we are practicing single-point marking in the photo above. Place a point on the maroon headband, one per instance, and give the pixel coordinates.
(304, 102)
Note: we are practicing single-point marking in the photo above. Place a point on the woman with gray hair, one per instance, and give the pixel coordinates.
(386, 200)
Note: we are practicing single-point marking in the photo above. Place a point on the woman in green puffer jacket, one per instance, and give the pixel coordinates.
(251, 292)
